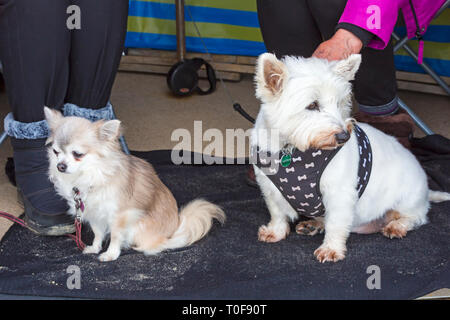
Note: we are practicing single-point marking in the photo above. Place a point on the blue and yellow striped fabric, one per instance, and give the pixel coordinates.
(227, 26)
(231, 27)
(436, 51)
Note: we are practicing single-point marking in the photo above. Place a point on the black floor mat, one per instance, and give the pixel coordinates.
(230, 262)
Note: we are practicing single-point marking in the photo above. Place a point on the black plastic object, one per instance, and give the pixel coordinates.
(182, 78)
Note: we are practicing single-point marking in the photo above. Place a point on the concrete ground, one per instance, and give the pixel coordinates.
(150, 114)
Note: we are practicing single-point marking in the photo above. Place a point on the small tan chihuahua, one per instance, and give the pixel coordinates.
(119, 194)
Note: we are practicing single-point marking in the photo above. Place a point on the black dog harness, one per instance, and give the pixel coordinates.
(297, 174)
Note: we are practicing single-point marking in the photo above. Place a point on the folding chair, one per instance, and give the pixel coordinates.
(402, 43)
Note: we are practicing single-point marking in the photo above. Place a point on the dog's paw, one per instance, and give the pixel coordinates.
(310, 227)
(270, 234)
(108, 256)
(325, 253)
(394, 229)
(91, 249)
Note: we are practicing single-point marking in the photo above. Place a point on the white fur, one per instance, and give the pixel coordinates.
(122, 195)
(397, 181)
(101, 206)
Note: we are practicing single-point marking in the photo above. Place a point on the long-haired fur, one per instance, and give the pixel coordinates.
(123, 195)
(306, 103)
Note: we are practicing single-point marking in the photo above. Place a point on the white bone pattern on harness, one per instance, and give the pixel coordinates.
(301, 177)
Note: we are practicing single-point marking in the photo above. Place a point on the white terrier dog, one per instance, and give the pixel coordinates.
(119, 194)
(306, 106)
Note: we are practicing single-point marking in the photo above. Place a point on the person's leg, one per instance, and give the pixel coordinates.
(34, 50)
(288, 27)
(375, 86)
(34, 46)
(375, 90)
(95, 55)
(326, 14)
(293, 27)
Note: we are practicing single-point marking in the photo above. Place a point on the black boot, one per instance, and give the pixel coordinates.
(45, 210)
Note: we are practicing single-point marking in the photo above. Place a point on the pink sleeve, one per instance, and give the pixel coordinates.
(376, 16)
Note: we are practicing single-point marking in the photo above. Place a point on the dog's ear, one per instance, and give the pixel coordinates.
(271, 76)
(109, 130)
(49, 141)
(53, 117)
(347, 68)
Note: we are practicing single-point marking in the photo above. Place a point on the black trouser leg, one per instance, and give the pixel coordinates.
(296, 27)
(95, 51)
(375, 85)
(34, 50)
(34, 46)
(288, 27)
(45, 63)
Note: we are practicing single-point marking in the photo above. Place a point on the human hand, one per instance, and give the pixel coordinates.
(339, 47)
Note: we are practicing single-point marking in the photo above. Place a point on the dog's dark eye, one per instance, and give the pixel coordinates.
(77, 155)
(313, 106)
(55, 152)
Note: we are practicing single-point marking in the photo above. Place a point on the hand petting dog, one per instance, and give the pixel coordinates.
(339, 47)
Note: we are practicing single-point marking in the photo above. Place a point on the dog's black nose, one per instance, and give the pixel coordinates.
(342, 137)
(62, 167)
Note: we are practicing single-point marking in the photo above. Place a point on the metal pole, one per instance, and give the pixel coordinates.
(416, 119)
(180, 29)
(3, 137)
(424, 65)
(400, 43)
(444, 6)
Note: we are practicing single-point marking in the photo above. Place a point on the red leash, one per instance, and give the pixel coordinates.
(13, 218)
(76, 237)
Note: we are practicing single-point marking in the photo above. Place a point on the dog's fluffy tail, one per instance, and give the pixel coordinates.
(438, 196)
(196, 219)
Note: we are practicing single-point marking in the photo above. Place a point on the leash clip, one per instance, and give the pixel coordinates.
(79, 204)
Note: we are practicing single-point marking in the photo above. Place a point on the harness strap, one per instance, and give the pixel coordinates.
(296, 174)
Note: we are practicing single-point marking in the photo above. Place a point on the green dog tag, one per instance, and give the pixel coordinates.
(285, 160)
